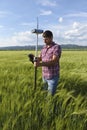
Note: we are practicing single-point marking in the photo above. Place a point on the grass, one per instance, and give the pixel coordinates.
(22, 108)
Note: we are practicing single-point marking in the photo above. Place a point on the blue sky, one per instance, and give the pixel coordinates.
(67, 19)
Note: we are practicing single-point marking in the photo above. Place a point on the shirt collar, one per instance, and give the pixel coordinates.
(47, 47)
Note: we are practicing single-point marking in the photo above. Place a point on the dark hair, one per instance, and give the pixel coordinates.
(48, 34)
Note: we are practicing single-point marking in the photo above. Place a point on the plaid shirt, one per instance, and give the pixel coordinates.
(46, 55)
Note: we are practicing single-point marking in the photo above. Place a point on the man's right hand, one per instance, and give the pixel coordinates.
(36, 61)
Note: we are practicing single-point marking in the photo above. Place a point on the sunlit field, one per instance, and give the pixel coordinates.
(23, 108)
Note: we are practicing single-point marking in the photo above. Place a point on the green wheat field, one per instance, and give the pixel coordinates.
(23, 108)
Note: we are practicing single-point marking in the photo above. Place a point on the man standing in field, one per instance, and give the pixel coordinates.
(49, 61)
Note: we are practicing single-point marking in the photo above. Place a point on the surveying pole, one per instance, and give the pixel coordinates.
(37, 32)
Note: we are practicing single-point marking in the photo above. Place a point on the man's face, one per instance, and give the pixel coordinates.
(47, 40)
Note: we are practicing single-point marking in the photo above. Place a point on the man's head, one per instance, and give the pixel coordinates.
(48, 37)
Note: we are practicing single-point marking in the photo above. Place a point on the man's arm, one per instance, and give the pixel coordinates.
(52, 62)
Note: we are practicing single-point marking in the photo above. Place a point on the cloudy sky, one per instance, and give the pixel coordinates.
(67, 19)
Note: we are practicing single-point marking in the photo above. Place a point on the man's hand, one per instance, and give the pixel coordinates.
(36, 62)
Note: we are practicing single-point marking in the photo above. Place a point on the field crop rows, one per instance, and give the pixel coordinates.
(22, 108)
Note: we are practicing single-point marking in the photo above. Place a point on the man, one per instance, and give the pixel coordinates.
(49, 61)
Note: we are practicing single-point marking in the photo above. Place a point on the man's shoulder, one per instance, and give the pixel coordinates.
(58, 49)
(44, 47)
(57, 45)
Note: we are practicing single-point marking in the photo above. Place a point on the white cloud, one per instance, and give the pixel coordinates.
(4, 13)
(80, 14)
(77, 34)
(76, 25)
(21, 38)
(1, 26)
(27, 24)
(46, 12)
(71, 34)
(47, 3)
(60, 19)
